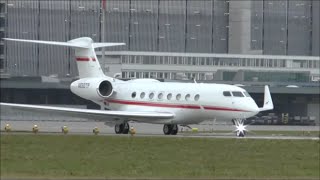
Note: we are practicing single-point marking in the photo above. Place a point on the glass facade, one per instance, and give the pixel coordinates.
(283, 27)
(241, 68)
(2, 34)
(277, 76)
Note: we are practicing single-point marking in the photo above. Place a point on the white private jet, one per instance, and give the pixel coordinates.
(148, 100)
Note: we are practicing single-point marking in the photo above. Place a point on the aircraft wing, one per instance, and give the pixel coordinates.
(90, 114)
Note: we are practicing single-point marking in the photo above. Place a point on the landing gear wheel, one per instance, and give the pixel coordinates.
(118, 128)
(241, 134)
(174, 130)
(125, 128)
(122, 128)
(240, 127)
(167, 128)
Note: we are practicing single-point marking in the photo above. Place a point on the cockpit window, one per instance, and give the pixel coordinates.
(237, 94)
(226, 93)
(246, 94)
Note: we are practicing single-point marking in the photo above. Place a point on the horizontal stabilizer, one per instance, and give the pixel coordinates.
(68, 44)
(83, 42)
(99, 45)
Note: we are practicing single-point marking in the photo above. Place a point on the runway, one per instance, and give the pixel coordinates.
(155, 130)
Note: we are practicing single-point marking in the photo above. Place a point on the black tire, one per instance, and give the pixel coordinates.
(174, 130)
(126, 128)
(118, 128)
(167, 129)
(241, 134)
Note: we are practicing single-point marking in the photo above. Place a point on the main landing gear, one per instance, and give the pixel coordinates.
(122, 128)
(170, 129)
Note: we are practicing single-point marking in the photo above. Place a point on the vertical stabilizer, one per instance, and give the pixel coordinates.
(87, 61)
(267, 102)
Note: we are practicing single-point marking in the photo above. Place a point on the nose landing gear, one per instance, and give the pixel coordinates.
(240, 127)
(170, 129)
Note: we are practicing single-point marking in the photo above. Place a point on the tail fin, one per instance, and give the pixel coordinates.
(87, 62)
(267, 103)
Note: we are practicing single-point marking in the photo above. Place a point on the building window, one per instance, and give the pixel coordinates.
(124, 74)
(1, 64)
(133, 95)
(153, 75)
(132, 59)
(146, 75)
(202, 61)
(131, 74)
(160, 75)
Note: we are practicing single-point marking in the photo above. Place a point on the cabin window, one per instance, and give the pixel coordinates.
(169, 96)
(187, 97)
(178, 97)
(151, 95)
(142, 95)
(237, 94)
(246, 94)
(160, 96)
(197, 97)
(226, 93)
(133, 95)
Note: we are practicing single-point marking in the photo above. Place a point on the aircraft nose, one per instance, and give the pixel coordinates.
(253, 106)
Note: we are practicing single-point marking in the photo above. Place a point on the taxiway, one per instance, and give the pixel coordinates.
(155, 130)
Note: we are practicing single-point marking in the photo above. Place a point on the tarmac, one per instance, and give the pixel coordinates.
(155, 130)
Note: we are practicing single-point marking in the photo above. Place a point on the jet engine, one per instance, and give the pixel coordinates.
(105, 89)
(94, 89)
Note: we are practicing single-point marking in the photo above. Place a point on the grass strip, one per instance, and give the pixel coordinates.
(68, 156)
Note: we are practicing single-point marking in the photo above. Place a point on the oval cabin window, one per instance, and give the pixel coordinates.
(178, 97)
(160, 96)
(187, 97)
(151, 95)
(142, 95)
(197, 97)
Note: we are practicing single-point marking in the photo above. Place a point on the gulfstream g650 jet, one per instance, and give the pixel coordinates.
(148, 100)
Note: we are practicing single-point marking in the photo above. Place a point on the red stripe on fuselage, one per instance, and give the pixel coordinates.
(139, 103)
(222, 109)
(184, 106)
(85, 59)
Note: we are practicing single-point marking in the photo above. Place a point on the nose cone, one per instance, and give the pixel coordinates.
(252, 107)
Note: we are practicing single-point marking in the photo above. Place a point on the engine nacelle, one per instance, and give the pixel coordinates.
(94, 89)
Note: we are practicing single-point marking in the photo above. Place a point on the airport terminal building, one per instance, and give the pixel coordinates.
(249, 42)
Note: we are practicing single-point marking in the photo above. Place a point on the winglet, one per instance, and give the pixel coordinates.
(267, 103)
